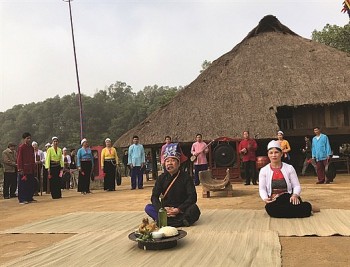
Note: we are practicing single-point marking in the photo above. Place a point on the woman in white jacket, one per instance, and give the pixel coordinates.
(279, 187)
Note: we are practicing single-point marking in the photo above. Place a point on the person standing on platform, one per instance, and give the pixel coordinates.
(109, 161)
(167, 141)
(136, 161)
(9, 162)
(73, 169)
(199, 149)
(45, 171)
(321, 153)
(247, 148)
(39, 162)
(26, 169)
(125, 163)
(284, 146)
(54, 164)
(66, 171)
(308, 156)
(85, 164)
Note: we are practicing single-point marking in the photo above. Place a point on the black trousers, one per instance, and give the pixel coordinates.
(84, 176)
(249, 171)
(282, 208)
(55, 182)
(10, 184)
(109, 169)
(45, 173)
(191, 214)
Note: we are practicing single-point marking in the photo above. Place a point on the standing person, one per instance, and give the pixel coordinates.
(247, 148)
(279, 187)
(136, 161)
(148, 165)
(85, 164)
(39, 162)
(321, 152)
(26, 169)
(73, 169)
(176, 188)
(66, 172)
(167, 141)
(45, 171)
(199, 149)
(54, 164)
(308, 156)
(109, 161)
(9, 156)
(125, 163)
(284, 146)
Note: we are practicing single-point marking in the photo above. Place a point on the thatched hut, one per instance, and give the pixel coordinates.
(273, 79)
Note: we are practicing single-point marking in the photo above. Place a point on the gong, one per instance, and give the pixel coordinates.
(224, 155)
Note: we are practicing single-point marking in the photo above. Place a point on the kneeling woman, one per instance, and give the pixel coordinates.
(279, 187)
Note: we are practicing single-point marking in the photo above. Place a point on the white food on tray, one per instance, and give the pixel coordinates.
(168, 231)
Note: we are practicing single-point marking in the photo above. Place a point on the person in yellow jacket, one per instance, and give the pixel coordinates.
(54, 164)
(109, 161)
(284, 146)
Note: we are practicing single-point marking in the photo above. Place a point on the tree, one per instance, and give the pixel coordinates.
(206, 64)
(334, 36)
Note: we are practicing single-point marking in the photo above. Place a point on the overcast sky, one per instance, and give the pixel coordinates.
(138, 42)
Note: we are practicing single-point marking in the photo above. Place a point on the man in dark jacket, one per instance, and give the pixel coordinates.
(178, 193)
(10, 171)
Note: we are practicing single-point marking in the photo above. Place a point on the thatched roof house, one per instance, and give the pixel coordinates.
(271, 69)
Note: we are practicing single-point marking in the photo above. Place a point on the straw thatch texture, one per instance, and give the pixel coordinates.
(272, 67)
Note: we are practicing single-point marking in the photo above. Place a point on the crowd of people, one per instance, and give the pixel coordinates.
(28, 169)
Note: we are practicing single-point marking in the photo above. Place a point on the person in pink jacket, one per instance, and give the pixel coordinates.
(280, 189)
(200, 150)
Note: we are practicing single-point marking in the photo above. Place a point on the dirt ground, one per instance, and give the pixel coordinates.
(296, 251)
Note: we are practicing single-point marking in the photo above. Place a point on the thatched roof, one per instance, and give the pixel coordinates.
(272, 67)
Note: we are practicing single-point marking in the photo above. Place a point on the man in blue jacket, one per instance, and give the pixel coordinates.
(321, 152)
(136, 161)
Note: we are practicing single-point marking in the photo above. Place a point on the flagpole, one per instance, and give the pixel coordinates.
(76, 71)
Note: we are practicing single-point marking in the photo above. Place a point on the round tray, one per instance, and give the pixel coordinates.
(159, 244)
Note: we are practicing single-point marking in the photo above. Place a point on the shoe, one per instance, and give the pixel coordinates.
(13, 196)
(320, 182)
(32, 201)
(327, 182)
(141, 187)
(36, 194)
(23, 202)
(247, 184)
(255, 183)
(132, 188)
(6, 197)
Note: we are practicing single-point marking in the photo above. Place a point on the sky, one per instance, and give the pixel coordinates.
(140, 43)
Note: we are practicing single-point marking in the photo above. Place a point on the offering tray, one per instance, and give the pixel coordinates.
(158, 244)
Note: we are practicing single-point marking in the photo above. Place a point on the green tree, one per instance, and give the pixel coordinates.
(109, 113)
(334, 36)
(206, 64)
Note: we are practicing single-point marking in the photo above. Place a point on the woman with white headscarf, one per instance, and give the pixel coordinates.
(280, 189)
(85, 164)
(109, 161)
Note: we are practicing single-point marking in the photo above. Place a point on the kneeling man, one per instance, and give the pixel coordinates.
(178, 191)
